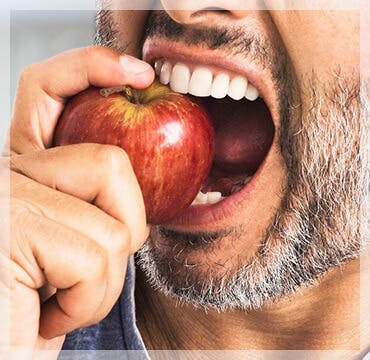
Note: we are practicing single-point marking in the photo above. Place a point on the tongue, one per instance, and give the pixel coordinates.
(223, 182)
(244, 133)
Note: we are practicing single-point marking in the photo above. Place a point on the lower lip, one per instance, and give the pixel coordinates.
(206, 216)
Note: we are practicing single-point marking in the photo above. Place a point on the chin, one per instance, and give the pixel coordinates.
(203, 248)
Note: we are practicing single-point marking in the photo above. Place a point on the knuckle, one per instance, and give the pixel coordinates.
(90, 53)
(113, 159)
(95, 264)
(27, 75)
(118, 239)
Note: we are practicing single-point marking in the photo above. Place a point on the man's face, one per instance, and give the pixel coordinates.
(297, 145)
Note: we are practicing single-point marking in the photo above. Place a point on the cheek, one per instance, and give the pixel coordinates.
(320, 41)
(130, 26)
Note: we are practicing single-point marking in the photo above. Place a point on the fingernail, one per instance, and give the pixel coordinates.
(133, 65)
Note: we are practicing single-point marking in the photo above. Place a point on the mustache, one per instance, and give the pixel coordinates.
(269, 53)
(233, 40)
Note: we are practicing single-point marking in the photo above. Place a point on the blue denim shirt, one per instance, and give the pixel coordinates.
(117, 331)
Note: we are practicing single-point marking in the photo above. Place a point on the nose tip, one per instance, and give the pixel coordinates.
(189, 12)
(181, 16)
(204, 12)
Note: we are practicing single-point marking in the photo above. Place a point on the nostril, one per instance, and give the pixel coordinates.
(216, 9)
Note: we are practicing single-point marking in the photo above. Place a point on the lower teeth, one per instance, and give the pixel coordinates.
(208, 198)
(236, 188)
(215, 197)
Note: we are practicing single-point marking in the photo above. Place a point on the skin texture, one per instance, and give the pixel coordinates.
(303, 35)
(324, 316)
(301, 222)
(308, 321)
(52, 198)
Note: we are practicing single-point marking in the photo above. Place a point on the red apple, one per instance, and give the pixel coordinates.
(168, 137)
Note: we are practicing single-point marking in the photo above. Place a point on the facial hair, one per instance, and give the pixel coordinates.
(318, 224)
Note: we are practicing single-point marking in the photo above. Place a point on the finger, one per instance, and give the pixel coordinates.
(86, 219)
(71, 72)
(100, 174)
(78, 267)
(44, 87)
(32, 225)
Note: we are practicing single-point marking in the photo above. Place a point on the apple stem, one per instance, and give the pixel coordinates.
(112, 90)
(131, 95)
(126, 91)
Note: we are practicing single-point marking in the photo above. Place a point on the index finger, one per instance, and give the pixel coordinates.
(44, 87)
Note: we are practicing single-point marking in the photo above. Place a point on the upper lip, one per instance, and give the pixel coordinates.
(158, 48)
(219, 215)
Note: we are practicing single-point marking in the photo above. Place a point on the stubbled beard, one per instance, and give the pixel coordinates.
(316, 228)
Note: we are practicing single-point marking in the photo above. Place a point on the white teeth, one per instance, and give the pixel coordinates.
(180, 78)
(238, 87)
(214, 197)
(208, 198)
(201, 82)
(220, 86)
(158, 66)
(200, 199)
(251, 93)
(247, 180)
(165, 75)
(236, 188)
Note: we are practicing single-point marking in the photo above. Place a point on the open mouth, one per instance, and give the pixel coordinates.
(244, 129)
(243, 136)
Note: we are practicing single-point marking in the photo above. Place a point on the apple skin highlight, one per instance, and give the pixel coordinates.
(168, 137)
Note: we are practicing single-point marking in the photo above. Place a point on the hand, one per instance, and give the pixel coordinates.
(77, 211)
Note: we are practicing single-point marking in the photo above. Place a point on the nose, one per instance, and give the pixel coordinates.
(202, 11)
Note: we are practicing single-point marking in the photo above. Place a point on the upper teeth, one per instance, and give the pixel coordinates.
(201, 82)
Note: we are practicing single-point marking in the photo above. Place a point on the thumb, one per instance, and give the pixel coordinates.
(44, 87)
